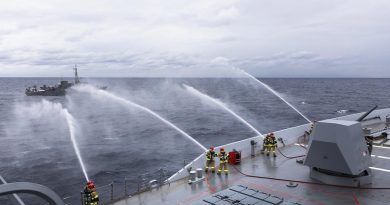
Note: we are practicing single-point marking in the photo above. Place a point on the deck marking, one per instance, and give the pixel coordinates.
(380, 169)
(355, 199)
(212, 189)
(383, 147)
(302, 145)
(381, 157)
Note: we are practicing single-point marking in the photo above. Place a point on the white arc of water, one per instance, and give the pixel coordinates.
(72, 132)
(222, 105)
(125, 102)
(273, 92)
(46, 109)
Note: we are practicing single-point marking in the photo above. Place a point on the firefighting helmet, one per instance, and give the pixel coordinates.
(222, 149)
(211, 148)
(90, 184)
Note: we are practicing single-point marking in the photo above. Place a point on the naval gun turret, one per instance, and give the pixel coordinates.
(338, 153)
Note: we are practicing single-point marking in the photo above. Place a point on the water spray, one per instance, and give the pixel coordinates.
(72, 132)
(222, 105)
(125, 102)
(41, 110)
(274, 92)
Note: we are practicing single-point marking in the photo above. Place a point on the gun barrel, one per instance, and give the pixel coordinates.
(367, 113)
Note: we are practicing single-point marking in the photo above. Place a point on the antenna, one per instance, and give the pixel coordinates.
(76, 76)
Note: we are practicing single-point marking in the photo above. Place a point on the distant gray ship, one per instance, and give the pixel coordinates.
(57, 90)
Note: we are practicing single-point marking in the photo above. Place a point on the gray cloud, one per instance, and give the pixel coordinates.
(180, 38)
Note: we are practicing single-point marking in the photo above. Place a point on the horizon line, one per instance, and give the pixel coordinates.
(118, 77)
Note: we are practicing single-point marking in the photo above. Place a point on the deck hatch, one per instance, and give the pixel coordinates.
(241, 195)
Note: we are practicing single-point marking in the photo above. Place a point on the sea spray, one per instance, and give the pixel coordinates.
(274, 92)
(47, 109)
(97, 92)
(222, 105)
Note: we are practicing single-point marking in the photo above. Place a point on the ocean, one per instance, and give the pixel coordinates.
(119, 142)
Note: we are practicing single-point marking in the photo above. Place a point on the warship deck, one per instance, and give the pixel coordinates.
(265, 180)
(180, 192)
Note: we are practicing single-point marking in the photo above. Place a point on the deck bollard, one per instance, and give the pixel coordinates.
(253, 148)
(192, 176)
(199, 173)
(196, 176)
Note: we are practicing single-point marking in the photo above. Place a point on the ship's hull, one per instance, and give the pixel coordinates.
(57, 92)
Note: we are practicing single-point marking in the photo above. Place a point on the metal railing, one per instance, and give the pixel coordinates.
(17, 198)
(122, 189)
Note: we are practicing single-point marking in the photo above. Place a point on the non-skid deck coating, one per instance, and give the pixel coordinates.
(180, 192)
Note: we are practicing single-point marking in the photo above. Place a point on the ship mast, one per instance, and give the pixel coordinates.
(76, 76)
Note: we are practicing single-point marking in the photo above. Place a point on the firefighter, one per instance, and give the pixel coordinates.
(94, 198)
(87, 192)
(265, 143)
(272, 144)
(223, 161)
(210, 162)
(90, 194)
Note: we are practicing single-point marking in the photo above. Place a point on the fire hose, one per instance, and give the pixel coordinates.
(292, 157)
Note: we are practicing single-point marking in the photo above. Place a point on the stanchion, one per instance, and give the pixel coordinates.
(112, 191)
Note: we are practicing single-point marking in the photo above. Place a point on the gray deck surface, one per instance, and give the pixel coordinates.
(180, 192)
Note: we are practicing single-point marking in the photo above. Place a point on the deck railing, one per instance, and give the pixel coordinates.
(122, 189)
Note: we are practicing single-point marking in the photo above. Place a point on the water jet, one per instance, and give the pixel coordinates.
(222, 105)
(96, 92)
(273, 92)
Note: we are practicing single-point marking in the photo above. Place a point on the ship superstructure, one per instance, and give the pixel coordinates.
(56, 90)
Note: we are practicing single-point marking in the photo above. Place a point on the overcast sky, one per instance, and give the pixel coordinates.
(179, 38)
